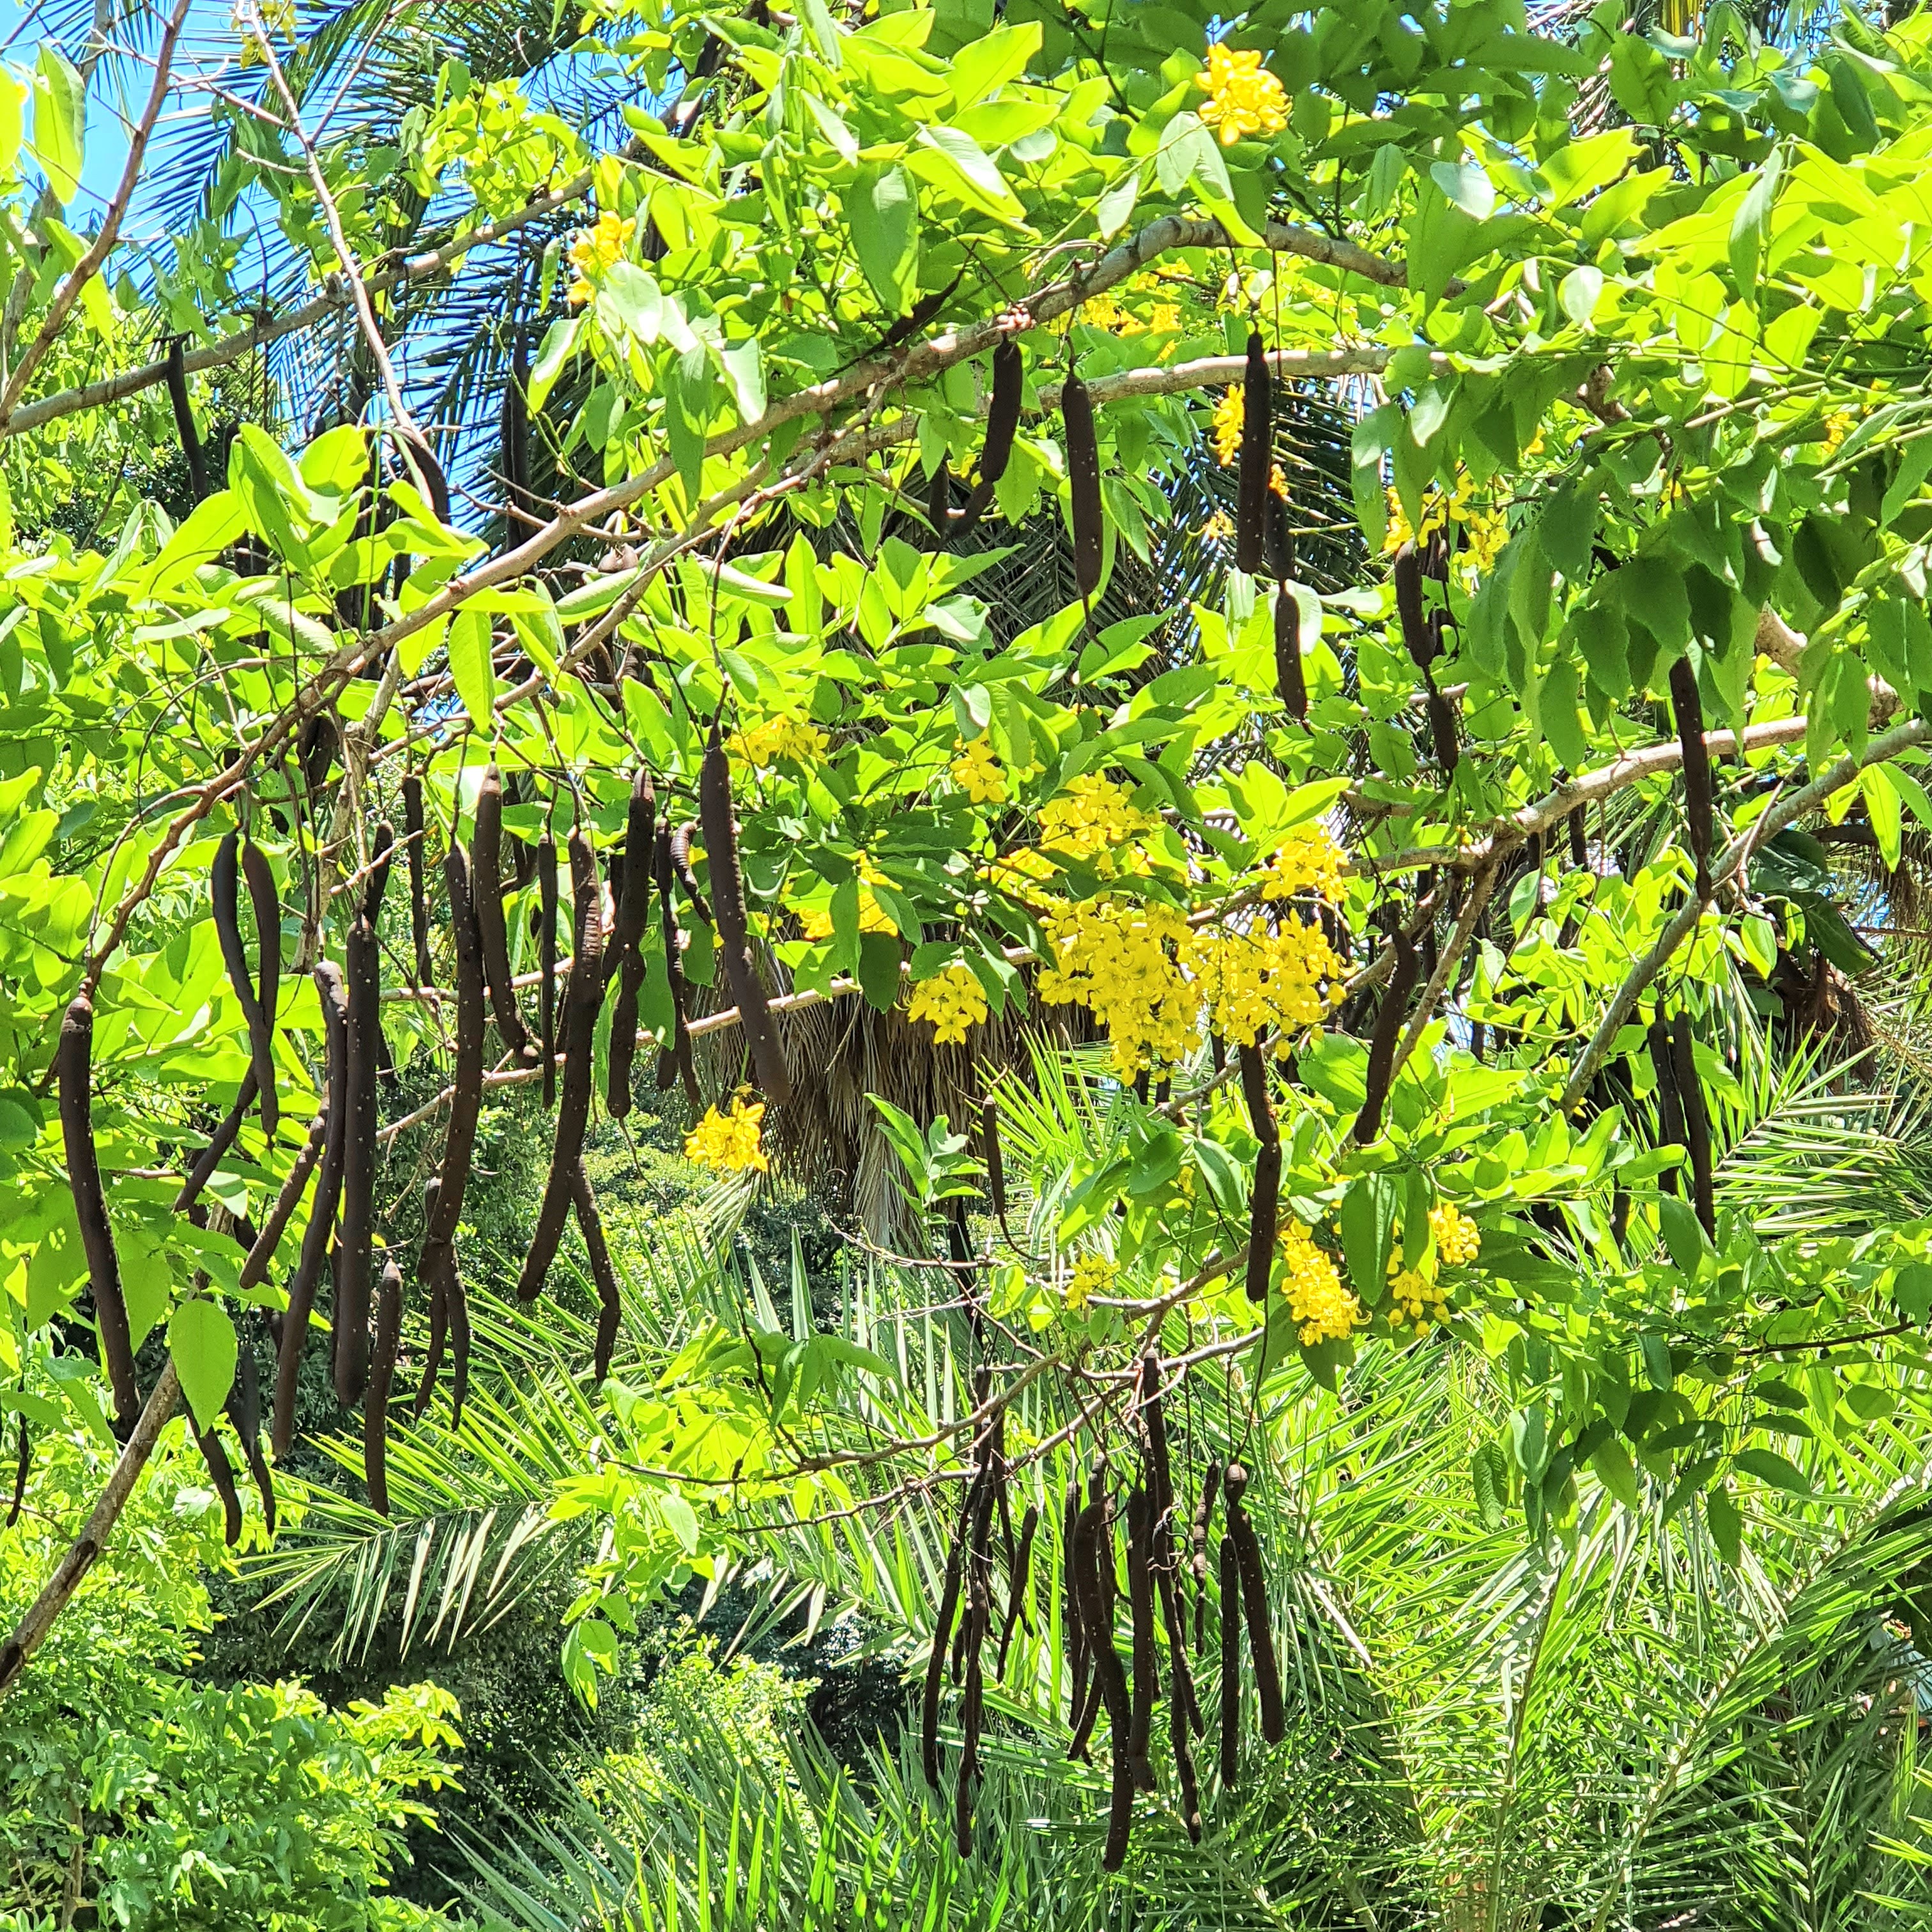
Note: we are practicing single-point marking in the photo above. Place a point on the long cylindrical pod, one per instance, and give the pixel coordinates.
(1003, 410)
(939, 501)
(1255, 1605)
(633, 920)
(415, 835)
(547, 961)
(74, 1076)
(245, 1411)
(184, 414)
(225, 884)
(1204, 1511)
(260, 1257)
(1265, 1202)
(376, 883)
(23, 1467)
(486, 872)
(221, 1478)
(438, 1305)
(1256, 460)
(1579, 847)
(1444, 732)
(1291, 679)
(1074, 1638)
(1405, 573)
(675, 1060)
(1389, 1017)
(585, 996)
(610, 1302)
(1083, 482)
(466, 1103)
(322, 1213)
(267, 904)
(1091, 1559)
(680, 863)
(1231, 1662)
(382, 1373)
(1140, 1605)
(1022, 1573)
(1696, 1121)
(321, 740)
(1671, 1125)
(1688, 708)
(211, 1156)
(458, 1299)
(996, 1166)
(355, 1245)
(734, 938)
(942, 1632)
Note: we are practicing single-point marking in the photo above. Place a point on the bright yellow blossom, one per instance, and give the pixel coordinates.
(815, 922)
(1307, 861)
(1094, 819)
(1457, 1238)
(1243, 96)
(760, 745)
(1093, 1274)
(979, 774)
(1485, 529)
(1418, 1297)
(595, 250)
(952, 1000)
(1323, 1308)
(1126, 963)
(729, 1143)
(1229, 416)
(1256, 981)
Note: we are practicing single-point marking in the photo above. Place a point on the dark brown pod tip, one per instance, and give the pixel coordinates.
(1256, 460)
(1083, 480)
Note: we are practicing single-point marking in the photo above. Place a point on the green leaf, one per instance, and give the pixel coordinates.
(882, 210)
(1488, 1475)
(1768, 1466)
(1611, 1463)
(560, 344)
(879, 959)
(1725, 1523)
(201, 1338)
(1115, 208)
(951, 161)
(1467, 186)
(470, 666)
(60, 121)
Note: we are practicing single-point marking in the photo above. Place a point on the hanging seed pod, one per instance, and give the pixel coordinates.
(1083, 481)
(1074, 1636)
(1696, 1121)
(382, 1373)
(1580, 849)
(634, 915)
(1672, 1127)
(1090, 1561)
(184, 414)
(221, 1479)
(423, 473)
(1140, 1605)
(1389, 1017)
(261, 1254)
(680, 860)
(330, 987)
(321, 741)
(1290, 679)
(1022, 1572)
(1204, 1511)
(583, 998)
(1405, 573)
(436, 1265)
(415, 835)
(355, 1244)
(676, 1059)
(486, 885)
(219, 1142)
(382, 854)
(1444, 731)
(610, 1302)
(1265, 1202)
(439, 1309)
(1255, 1603)
(547, 961)
(727, 887)
(942, 1631)
(73, 1069)
(996, 1168)
(458, 1302)
(225, 882)
(1230, 1663)
(939, 502)
(267, 904)
(1688, 708)
(23, 1467)
(1257, 460)
(245, 1411)
(1003, 410)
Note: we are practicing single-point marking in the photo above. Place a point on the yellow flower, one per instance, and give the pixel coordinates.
(1127, 964)
(728, 1143)
(1307, 861)
(978, 772)
(1220, 528)
(1323, 1308)
(1485, 529)
(1256, 981)
(1457, 1238)
(1419, 1299)
(595, 250)
(1094, 819)
(815, 922)
(952, 1000)
(1226, 426)
(1166, 320)
(760, 745)
(1243, 96)
(1093, 1274)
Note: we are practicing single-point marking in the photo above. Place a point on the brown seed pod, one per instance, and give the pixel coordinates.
(225, 883)
(996, 1168)
(1022, 1572)
(423, 473)
(1003, 410)
(221, 1476)
(1093, 1560)
(939, 501)
(1290, 678)
(439, 1306)
(1265, 1202)
(329, 985)
(1580, 849)
(1074, 1636)
(1417, 638)
(1140, 1605)
(680, 860)
(1204, 1511)
(1696, 1121)
(1671, 1125)
(73, 1068)
(382, 851)
(23, 1467)
(261, 1254)
(634, 916)
(1083, 483)
(219, 1142)
(610, 1302)
(382, 1373)
(184, 414)
(267, 904)
(245, 1411)
(1389, 1017)
(583, 999)
(1230, 1663)
(1443, 731)
(1688, 708)
(1255, 1604)
(321, 741)
(414, 836)
(942, 1632)
(547, 961)
(486, 885)
(458, 1298)
(355, 1242)
(676, 1059)
(734, 942)
(1257, 460)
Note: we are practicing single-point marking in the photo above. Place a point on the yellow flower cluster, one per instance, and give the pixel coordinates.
(979, 774)
(1419, 1299)
(1104, 311)
(1127, 963)
(728, 1143)
(1226, 429)
(1323, 1308)
(595, 250)
(1243, 96)
(1307, 861)
(815, 922)
(1457, 1238)
(1485, 530)
(1093, 1274)
(1255, 980)
(1092, 819)
(952, 1000)
(760, 745)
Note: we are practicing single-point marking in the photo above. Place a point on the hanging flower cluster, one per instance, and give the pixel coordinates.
(1093, 819)
(1458, 1239)
(1127, 963)
(979, 774)
(1226, 428)
(1243, 96)
(1485, 529)
(1417, 1293)
(729, 1143)
(815, 921)
(1307, 861)
(1323, 1308)
(760, 745)
(1093, 1274)
(1256, 981)
(595, 251)
(952, 1000)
